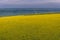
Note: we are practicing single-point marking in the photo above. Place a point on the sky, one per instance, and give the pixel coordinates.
(10, 3)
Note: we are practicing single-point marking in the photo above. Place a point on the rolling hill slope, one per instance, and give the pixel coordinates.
(30, 27)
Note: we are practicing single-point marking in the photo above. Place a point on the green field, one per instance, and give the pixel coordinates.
(30, 27)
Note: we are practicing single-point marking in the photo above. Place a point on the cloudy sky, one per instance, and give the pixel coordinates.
(25, 2)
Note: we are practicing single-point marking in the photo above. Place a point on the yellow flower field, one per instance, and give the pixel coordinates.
(30, 27)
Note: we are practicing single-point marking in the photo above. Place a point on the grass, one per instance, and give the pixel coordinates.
(32, 27)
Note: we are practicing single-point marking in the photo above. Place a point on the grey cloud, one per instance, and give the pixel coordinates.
(26, 1)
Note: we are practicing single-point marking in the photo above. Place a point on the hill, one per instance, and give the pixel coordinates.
(30, 27)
